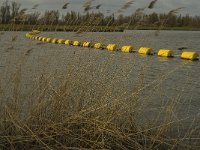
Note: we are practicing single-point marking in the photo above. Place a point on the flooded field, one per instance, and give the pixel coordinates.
(159, 91)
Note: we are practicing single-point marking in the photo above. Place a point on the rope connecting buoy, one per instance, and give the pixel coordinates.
(165, 53)
(190, 55)
(87, 44)
(145, 51)
(111, 47)
(127, 49)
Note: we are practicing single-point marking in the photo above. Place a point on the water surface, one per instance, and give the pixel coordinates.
(169, 88)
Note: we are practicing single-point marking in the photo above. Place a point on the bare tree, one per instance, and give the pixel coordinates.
(5, 12)
(15, 6)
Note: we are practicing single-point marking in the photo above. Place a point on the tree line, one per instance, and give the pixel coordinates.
(11, 12)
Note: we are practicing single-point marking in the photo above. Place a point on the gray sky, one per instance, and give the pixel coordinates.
(192, 7)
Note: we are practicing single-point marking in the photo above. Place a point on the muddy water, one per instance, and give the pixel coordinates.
(169, 89)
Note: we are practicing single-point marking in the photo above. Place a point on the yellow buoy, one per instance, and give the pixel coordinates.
(40, 38)
(37, 37)
(61, 41)
(48, 40)
(68, 42)
(86, 44)
(27, 35)
(127, 49)
(77, 43)
(145, 51)
(165, 53)
(111, 47)
(44, 39)
(54, 41)
(190, 55)
(32, 37)
(98, 46)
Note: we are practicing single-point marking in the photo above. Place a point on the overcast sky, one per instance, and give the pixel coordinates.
(191, 7)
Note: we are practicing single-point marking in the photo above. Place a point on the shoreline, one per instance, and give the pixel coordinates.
(80, 29)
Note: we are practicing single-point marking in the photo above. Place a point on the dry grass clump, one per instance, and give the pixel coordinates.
(70, 113)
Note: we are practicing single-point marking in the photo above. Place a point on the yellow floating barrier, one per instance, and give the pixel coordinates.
(44, 39)
(190, 55)
(36, 37)
(77, 43)
(40, 38)
(165, 53)
(98, 46)
(32, 37)
(48, 40)
(145, 51)
(27, 35)
(68, 42)
(61, 41)
(54, 41)
(127, 49)
(86, 44)
(111, 47)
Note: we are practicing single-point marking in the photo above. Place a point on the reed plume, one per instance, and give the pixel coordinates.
(152, 4)
(35, 6)
(65, 6)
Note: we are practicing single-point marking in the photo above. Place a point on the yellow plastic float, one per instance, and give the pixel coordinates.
(86, 44)
(145, 51)
(32, 37)
(98, 46)
(127, 49)
(68, 42)
(28, 35)
(48, 40)
(165, 53)
(40, 38)
(77, 43)
(111, 47)
(61, 41)
(44, 39)
(36, 37)
(54, 41)
(190, 55)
